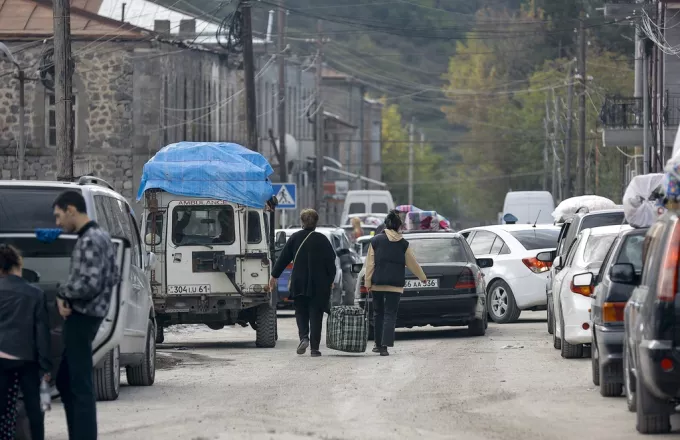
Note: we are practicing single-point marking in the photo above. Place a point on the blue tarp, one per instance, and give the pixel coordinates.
(215, 170)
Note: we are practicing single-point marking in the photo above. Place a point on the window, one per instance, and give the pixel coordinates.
(101, 212)
(379, 207)
(51, 120)
(438, 250)
(149, 228)
(203, 224)
(652, 254)
(18, 216)
(607, 261)
(481, 244)
(597, 247)
(357, 208)
(572, 251)
(497, 246)
(631, 252)
(608, 219)
(534, 238)
(254, 228)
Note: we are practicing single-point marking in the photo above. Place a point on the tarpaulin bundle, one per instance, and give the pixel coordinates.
(639, 207)
(215, 170)
(572, 205)
(47, 235)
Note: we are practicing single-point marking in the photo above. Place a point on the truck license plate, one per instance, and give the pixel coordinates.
(188, 289)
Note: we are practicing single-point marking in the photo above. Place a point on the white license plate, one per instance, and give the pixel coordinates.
(188, 289)
(417, 284)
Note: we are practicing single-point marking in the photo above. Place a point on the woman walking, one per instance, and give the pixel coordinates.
(357, 231)
(388, 254)
(311, 281)
(24, 345)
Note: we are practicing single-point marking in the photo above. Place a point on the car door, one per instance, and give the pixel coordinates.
(559, 282)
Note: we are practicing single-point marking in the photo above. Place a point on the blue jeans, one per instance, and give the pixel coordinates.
(385, 308)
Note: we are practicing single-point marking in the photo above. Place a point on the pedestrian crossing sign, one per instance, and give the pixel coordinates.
(286, 194)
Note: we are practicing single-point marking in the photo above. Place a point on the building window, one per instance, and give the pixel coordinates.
(51, 120)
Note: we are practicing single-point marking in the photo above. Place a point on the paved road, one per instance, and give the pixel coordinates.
(438, 384)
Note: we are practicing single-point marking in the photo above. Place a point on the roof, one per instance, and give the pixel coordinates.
(22, 19)
(515, 227)
(609, 230)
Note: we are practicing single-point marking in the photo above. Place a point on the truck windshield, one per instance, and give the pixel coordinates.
(25, 209)
(203, 225)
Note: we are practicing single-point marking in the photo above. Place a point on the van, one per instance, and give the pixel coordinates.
(367, 202)
(529, 207)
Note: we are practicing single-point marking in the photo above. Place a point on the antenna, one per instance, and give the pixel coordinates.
(539, 214)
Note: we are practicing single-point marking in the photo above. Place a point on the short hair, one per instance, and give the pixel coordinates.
(71, 198)
(393, 221)
(309, 218)
(9, 258)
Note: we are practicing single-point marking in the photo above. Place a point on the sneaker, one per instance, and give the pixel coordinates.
(376, 349)
(315, 353)
(384, 352)
(302, 348)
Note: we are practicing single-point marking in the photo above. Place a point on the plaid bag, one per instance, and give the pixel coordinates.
(347, 329)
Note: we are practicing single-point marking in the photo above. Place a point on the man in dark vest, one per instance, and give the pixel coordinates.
(388, 255)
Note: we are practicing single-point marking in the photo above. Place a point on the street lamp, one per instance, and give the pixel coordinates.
(6, 54)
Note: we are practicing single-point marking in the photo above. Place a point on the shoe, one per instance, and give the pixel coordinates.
(316, 353)
(302, 348)
(384, 352)
(376, 349)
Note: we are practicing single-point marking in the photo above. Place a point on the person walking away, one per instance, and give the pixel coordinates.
(83, 301)
(24, 345)
(388, 254)
(312, 278)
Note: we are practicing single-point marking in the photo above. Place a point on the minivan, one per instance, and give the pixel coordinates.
(367, 202)
(530, 207)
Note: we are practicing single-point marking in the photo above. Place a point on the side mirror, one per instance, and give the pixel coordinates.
(149, 242)
(623, 273)
(583, 284)
(342, 252)
(557, 264)
(151, 261)
(484, 263)
(30, 275)
(356, 268)
(546, 257)
(281, 239)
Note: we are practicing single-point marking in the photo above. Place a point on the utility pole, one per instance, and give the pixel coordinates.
(249, 74)
(319, 124)
(22, 123)
(570, 123)
(410, 160)
(63, 94)
(546, 146)
(556, 186)
(281, 98)
(581, 161)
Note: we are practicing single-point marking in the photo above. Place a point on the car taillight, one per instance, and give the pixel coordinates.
(581, 290)
(668, 274)
(613, 312)
(466, 280)
(536, 266)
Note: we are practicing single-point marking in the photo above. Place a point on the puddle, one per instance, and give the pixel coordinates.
(166, 360)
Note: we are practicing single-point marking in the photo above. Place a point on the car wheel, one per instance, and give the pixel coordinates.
(501, 303)
(649, 420)
(569, 351)
(144, 374)
(551, 320)
(609, 387)
(160, 335)
(595, 364)
(557, 342)
(265, 334)
(107, 377)
(628, 380)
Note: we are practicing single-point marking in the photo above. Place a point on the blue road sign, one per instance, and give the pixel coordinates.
(286, 194)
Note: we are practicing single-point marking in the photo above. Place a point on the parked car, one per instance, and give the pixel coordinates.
(517, 279)
(572, 288)
(569, 230)
(455, 293)
(31, 203)
(614, 284)
(652, 330)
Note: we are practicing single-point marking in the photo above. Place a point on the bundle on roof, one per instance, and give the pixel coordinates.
(426, 221)
(567, 208)
(215, 170)
(640, 200)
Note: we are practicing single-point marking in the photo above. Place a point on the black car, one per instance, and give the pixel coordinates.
(618, 276)
(651, 355)
(455, 291)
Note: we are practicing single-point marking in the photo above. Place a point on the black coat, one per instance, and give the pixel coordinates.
(314, 269)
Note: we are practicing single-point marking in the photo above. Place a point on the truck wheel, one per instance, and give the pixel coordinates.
(107, 377)
(144, 374)
(160, 335)
(265, 335)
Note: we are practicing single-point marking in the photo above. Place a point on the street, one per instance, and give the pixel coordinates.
(437, 383)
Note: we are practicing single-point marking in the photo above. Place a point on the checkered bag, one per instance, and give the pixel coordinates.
(347, 329)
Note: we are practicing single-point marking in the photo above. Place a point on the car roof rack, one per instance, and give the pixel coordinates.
(92, 180)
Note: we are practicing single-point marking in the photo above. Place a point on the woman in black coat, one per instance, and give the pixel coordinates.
(311, 281)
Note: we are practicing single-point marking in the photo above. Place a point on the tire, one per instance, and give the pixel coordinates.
(628, 380)
(551, 320)
(477, 327)
(265, 335)
(144, 374)
(160, 335)
(569, 351)
(595, 365)
(557, 342)
(501, 303)
(107, 377)
(609, 388)
(647, 421)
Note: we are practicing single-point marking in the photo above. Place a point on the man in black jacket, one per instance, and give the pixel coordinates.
(312, 278)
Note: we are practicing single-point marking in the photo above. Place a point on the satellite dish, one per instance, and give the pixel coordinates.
(292, 148)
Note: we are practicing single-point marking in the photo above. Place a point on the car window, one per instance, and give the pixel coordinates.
(438, 250)
(468, 236)
(536, 238)
(482, 241)
(18, 216)
(335, 239)
(203, 224)
(379, 208)
(136, 239)
(497, 246)
(254, 228)
(160, 216)
(631, 252)
(652, 253)
(357, 208)
(344, 241)
(607, 258)
(608, 219)
(597, 247)
(572, 252)
(562, 239)
(101, 210)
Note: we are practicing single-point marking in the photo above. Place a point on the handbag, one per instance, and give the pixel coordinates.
(290, 279)
(347, 328)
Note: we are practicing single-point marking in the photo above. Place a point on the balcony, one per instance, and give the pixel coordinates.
(623, 122)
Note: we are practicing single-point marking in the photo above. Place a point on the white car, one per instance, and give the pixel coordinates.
(517, 280)
(571, 299)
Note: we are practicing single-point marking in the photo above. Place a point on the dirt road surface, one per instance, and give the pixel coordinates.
(437, 384)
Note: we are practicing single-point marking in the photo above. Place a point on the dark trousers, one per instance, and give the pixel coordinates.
(29, 378)
(309, 317)
(385, 308)
(74, 380)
